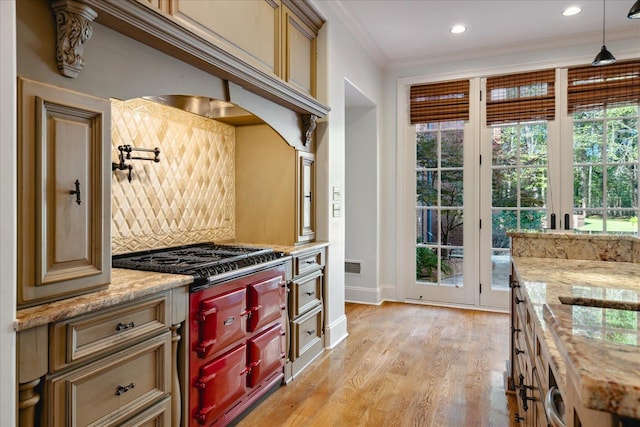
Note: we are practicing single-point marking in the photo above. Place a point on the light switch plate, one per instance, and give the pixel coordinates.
(337, 194)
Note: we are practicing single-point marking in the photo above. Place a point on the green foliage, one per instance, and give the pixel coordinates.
(427, 264)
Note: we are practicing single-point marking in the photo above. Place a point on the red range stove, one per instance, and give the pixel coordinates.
(237, 318)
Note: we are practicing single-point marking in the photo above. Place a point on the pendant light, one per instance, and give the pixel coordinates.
(634, 12)
(604, 57)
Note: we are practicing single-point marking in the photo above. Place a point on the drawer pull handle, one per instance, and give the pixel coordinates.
(124, 388)
(514, 285)
(517, 418)
(518, 351)
(514, 330)
(125, 326)
(518, 300)
(76, 192)
(311, 293)
(309, 261)
(311, 332)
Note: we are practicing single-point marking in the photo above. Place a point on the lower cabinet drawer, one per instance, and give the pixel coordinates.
(93, 335)
(306, 292)
(159, 415)
(109, 391)
(306, 331)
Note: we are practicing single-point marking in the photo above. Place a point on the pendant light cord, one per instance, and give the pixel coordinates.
(604, 11)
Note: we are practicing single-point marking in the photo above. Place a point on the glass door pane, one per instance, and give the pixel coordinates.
(605, 170)
(439, 218)
(517, 179)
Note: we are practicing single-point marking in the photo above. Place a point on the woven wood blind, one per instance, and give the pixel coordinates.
(521, 97)
(439, 102)
(592, 87)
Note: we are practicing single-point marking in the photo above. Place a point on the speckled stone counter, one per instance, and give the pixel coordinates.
(599, 347)
(126, 285)
(294, 250)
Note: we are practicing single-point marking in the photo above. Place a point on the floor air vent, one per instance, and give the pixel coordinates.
(352, 267)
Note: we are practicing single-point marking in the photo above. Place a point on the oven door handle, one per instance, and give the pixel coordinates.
(202, 314)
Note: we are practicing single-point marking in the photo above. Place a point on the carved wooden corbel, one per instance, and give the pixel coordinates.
(74, 22)
(308, 126)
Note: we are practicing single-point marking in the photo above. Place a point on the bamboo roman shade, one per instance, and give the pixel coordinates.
(597, 87)
(439, 102)
(521, 97)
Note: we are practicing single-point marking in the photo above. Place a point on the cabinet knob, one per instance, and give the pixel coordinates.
(517, 418)
(311, 332)
(311, 293)
(518, 300)
(518, 351)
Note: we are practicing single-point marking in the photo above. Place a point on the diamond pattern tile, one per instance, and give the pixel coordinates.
(189, 196)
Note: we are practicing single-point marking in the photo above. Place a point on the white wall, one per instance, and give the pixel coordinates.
(341, 58)
(8, 208)
(361, 203)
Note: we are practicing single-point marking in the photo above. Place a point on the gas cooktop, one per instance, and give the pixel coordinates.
(204, 261)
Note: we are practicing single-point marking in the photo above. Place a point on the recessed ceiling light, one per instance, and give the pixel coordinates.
(573, 10)
(457, 29)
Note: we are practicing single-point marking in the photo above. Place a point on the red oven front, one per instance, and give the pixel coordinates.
(237, 345)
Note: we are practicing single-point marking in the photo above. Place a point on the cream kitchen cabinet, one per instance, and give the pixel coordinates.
(115, 366)
(277, 182)
(64, 196)
(275, 36)
(306, 308)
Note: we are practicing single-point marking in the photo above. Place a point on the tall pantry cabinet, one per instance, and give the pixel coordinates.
(64, 245)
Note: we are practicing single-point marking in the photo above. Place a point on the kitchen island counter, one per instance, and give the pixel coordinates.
(598, 347)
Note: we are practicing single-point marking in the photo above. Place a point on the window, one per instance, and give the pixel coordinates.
(604, 105)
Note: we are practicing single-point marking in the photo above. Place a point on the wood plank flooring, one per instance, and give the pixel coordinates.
(402, 365)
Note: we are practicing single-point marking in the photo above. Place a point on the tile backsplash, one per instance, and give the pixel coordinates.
(189, 196)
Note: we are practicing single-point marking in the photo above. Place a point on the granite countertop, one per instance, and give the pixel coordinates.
(126, 285)
(288, 249)
(599, 347)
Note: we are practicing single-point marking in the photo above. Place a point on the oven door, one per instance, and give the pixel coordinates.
(265, 302)
(266, 355)
(220, 384)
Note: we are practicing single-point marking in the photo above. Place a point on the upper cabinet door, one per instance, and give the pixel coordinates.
(246, 29)
(299, 53)
(64, 195)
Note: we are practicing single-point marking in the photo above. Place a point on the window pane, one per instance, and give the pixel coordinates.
(622, 186)
(622, 140)
(426, 188)
(587, 187)
(533, 187)
(532, 220)
(505, 187)
(427, 226)
(451, 189)
(502, 220)
(587, 142)
(504, 144)
(451, 227)
(533, 144)
(426, 150)
(427, 264)
(621, 222)
(452, 146)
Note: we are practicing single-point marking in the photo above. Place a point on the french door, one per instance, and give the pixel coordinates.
(441, 236)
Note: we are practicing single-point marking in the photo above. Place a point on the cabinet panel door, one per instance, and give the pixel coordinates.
(306, 217)
(248, 29)
(300, 54)
(63, 192)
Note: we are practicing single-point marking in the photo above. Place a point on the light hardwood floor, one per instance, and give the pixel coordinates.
(402, 365)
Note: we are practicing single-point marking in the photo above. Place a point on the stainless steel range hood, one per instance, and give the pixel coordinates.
(207, 107)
